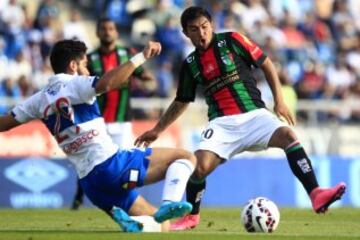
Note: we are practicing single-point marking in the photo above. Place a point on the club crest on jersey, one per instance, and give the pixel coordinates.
(190, 59)
(221, 43)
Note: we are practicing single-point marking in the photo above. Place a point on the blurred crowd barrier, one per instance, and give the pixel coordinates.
(318, 137)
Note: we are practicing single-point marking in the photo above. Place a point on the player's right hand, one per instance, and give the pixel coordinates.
(145, 139)
(152, 49)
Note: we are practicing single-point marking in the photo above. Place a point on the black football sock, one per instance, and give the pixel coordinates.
(194, 193)
(79, 197)
(301, 166)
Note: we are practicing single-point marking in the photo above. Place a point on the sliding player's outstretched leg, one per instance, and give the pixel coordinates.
(126, 223)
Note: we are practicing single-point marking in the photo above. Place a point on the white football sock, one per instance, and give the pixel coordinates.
(176, 178)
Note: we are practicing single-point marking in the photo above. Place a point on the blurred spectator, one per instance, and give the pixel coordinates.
(217, 12)
(277, 8)
(142, 30)
(18, 67)
(117, 12)
(229, 23)
(294, 38)
(339, 79)
(170, 37)
(47, 10)
(344, 29)
(41, 76)
(3, 60)
(14, 19)
(75, 29)
(9, 90)
(289, 94)
(14, 16)
(312, 84)
(353, 57)
(25, 86)
(165, 79)
(162, 11)
(255, 12)
(33, 49)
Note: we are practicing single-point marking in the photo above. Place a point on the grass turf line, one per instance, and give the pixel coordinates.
(220, 223)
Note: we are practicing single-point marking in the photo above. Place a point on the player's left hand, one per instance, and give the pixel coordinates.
(282, 111)
(152, 49)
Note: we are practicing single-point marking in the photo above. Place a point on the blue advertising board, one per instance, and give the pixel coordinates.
(39, 183)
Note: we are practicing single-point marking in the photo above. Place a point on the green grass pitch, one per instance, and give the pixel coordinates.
(220, 223)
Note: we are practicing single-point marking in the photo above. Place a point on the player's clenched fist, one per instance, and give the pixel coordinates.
(152, 49)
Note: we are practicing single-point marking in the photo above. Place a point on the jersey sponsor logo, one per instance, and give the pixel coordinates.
(219, 83)
(74, 146)
(190, 59)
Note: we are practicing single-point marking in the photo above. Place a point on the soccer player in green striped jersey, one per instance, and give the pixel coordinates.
(238, 119)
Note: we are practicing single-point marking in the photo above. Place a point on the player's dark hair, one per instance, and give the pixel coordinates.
(63, 52)
(192, 13)
(103, 20)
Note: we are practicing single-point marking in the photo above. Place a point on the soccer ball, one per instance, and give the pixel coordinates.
(260, 215)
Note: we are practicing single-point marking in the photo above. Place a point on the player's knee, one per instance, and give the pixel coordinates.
(201, 171)
(290, 135)
(282, 137)
(287, 136)
(191, 157)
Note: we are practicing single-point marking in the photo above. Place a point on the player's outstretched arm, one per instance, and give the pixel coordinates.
(8, 122)
(175, 109)
(118, 76)
(280, 108)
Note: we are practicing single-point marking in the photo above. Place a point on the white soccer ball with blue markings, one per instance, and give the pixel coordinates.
(260, 215)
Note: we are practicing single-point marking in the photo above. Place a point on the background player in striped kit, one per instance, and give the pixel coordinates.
(114, 105)
(238, 119)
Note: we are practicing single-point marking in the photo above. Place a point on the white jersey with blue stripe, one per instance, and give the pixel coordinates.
(68, 108)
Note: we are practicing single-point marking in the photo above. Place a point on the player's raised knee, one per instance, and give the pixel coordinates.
(188, 156)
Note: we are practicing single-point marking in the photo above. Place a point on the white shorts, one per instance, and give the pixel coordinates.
(121, 134)
(230, 135)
